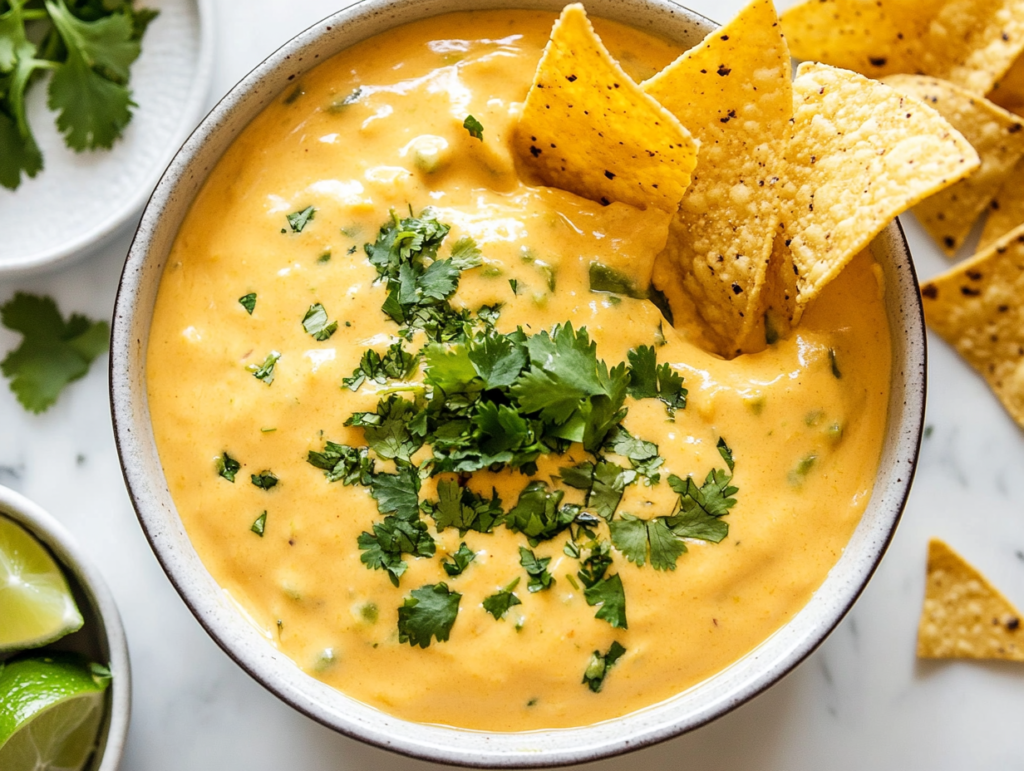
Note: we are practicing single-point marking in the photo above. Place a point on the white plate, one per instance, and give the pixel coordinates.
(77, 201)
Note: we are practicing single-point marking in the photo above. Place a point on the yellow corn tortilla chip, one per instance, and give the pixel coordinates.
(1008, 93)
(996, 135)
(1006, 211)
(733, 92)
(972, 44)
(860, 154)
(964, 616)
(978, 308)
(586, 127)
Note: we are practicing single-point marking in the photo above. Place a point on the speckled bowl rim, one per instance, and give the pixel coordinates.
(245, 644)
(111, 632)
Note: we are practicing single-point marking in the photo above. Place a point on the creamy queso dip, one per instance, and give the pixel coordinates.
(804, 418)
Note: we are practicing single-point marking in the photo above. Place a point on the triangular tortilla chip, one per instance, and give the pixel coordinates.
(1008, 93)
(1006, 211)
(860, 154)
(996, 135)
(964, 616)
(734, 93)
(586, 127)
(972, 44)
(978, 308)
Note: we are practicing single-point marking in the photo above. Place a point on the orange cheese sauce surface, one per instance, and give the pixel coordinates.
(805, 418)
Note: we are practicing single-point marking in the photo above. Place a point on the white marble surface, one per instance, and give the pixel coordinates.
(861, 701)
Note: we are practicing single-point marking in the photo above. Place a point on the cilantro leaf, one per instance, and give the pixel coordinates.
(406, 241)
(649, 380)
(474, 127)
(593, 568)
(315, 323)
(264, 480)
(629, 536)
(248, 302)
(387, 430)
(636, 537)
(537, 514)
(397, 493)
(88, 90)
(726, 453)
(227, 466)
(609, 594)
(430, 612)
(536, 569)
(499, 603)
(461, 508)
(395, 364)
(666, 543)
(298, 220)
(395, 536)
(498, 359)
(265, 371)
(260, 525)
(53, 351)
(465, 254)
(643, 455)
(604, 483)
(597, 668)
(349, 465)
(459, 561)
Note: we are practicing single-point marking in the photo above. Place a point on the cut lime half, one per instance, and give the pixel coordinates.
(51, 709)
(35, 602)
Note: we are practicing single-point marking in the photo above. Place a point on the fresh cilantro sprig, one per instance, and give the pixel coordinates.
(650, 380)
(463, 509)
(89, 47)
(459, 561)
(54, 351)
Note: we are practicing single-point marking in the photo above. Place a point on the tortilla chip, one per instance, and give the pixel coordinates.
(1008, 93)
(996, 135)
(964, 616)
(733, 92)
(860, 154)
(586, 127)
(972, 44)
(978, 308)
(1006, 211)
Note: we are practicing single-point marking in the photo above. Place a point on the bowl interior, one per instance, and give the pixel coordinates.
(144, 475)
(101, 637)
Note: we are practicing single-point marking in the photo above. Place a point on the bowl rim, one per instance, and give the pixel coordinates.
(45, 528)
(775, 657)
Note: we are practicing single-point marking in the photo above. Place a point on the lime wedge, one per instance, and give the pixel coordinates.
(35, 603)
(51, 709)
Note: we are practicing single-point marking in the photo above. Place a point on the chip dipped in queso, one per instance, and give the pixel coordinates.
(429, 422)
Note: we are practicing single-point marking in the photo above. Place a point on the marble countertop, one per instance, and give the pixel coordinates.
(860, 701)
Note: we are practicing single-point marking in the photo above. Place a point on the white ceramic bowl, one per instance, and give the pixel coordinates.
(143, 473)
(101, 638)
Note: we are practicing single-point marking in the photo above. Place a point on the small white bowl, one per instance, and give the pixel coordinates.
(101, 638)
(148, 488)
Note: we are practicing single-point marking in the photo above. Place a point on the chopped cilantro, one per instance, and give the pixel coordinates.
(465, 254)
(248, 302)
(265, 371)
(260, 525)
(649, 380)
(53, 352)
(474, 127)
(536, 569)
(538, 515)
(643, 455)
(604, 483)
(459, 561)
(315, 323)
(593, 568)
(264, 480)
(227, 466)
(387, 430)
(325, 256)
(611, 597)
(597, 668)
(499, 603)
(395, 536)
(514, 283)
(429, 612)
(726, 453)
(395, 364)
(349, 465)
(835, 366)
(461, 508)
(298, 220)
(397, 493)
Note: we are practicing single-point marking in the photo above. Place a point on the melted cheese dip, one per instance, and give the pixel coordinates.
(806, 434)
